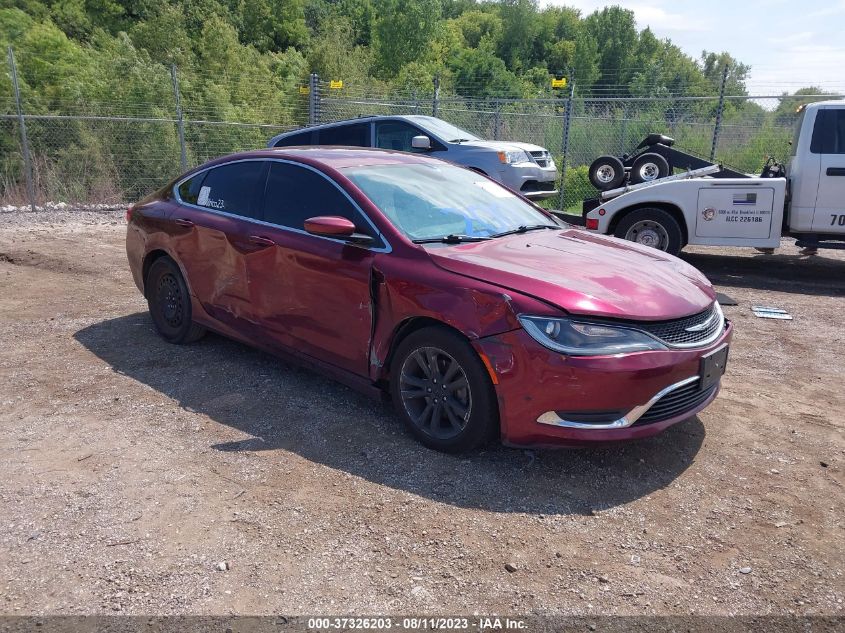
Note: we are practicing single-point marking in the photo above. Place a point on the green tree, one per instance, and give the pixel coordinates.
(272, 25)
(475, 26)
(520, 26)
(614, 30)
(478, 72)
(712, 65)
(404, 32)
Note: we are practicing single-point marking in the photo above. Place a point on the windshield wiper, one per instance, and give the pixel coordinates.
(459, 140)
(452, 238)
(524, 228)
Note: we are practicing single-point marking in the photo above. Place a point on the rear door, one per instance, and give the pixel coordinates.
(213, 236)
(349, 134)
(829, 142)
(312, 293)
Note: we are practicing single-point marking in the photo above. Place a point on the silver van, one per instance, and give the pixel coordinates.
(523, 167)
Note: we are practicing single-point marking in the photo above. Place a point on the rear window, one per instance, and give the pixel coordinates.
(300, 138)
(355, 135)
(233, 188)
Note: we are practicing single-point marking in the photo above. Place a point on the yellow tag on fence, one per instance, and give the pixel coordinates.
(558, 83)
(336, 85)
(304, 90)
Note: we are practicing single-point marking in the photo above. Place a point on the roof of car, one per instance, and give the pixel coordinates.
(418, 118)
(336, 157)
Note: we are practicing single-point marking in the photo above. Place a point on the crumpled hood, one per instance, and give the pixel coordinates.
(584, 273)
(503, 146)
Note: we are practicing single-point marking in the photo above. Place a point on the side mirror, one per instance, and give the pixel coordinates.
(421, 142)
(335, 226)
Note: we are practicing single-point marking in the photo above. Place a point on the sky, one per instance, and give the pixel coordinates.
(789, 44)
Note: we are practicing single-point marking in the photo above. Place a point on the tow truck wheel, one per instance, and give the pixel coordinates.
(606, 173)
(649, 167)
(652, 227)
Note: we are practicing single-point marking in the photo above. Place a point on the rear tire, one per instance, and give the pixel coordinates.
(169, 303)
(652, 227)
(606, 173)
(442, 391)
(649, 167)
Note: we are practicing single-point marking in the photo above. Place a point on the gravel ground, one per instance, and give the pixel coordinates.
(142, 478)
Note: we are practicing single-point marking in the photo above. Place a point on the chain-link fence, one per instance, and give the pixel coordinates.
(118, 152)
(738, 131)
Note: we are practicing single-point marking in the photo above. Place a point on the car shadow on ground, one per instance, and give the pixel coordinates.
(277, 405)
(801, 274)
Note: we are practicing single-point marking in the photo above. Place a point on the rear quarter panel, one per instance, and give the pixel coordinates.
(148, 230)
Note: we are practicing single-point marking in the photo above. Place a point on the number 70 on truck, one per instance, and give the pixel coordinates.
(712, 206)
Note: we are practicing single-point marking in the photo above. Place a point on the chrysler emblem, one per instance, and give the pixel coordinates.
(700, 326)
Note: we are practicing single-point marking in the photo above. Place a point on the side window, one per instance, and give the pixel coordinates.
(838, 131)
(190, 189)
(829, 132)
(354, 135)
(395, 135)
(296, 193)
(300, 138)
(234, 188)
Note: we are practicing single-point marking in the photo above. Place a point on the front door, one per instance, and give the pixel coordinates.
(829, 216)
(312, 293)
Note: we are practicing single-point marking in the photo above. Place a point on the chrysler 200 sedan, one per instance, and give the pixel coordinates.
(477, 311)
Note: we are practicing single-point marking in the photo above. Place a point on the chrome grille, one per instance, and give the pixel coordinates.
(685, 332)
(541, 158)
(676, 403)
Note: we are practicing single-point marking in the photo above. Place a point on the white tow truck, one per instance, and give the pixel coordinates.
(713, 206)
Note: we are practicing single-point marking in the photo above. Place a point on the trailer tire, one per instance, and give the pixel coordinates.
(651, 227)
(649, 167)
(606, 173)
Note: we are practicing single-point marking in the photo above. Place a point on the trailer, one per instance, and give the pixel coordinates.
(710, 205)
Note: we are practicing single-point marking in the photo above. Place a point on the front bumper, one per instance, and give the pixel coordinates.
(547, 399)
(531, 180)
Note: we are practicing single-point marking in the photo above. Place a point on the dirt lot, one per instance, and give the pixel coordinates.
(131, 469)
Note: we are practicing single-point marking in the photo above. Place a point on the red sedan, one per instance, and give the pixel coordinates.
(479, 312)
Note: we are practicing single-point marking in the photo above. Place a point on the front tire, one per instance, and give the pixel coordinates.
(169, 303)
(442, 391)
(652, 227)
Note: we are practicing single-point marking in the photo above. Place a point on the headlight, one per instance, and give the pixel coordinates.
(576, 338)
(512, 156)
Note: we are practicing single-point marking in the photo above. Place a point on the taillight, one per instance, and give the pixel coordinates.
(593, 223)
(129, 214)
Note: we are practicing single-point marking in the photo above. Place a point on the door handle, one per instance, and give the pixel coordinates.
(183, 222)
(836, 171)
(261, 241)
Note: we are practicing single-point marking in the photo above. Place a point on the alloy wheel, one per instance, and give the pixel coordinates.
(435, 392)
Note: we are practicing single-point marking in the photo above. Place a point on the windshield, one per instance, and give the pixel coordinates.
(429, 201)
(444, 130)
